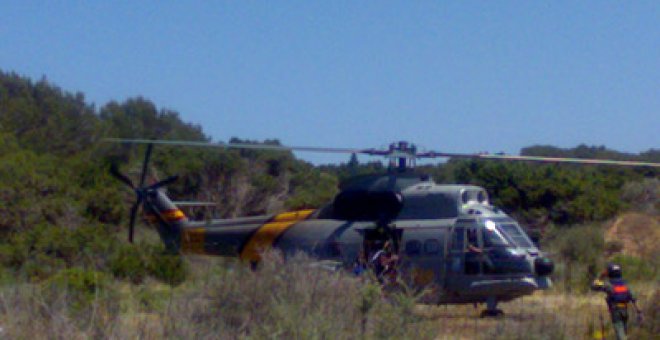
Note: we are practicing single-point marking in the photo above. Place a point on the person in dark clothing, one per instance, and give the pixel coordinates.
(384, 263)
(475, 254)
(618, 296)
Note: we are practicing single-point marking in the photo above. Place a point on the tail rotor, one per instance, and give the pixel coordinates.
(141, 191)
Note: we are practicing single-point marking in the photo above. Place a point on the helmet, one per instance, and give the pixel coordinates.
(613, 271)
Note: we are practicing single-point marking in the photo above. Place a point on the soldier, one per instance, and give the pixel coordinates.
(618, 297)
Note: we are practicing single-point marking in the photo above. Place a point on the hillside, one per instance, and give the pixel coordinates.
(635, 234)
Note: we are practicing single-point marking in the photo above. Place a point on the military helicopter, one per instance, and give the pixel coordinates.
(450, 239)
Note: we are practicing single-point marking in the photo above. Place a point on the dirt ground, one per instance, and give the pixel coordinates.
(639, 234)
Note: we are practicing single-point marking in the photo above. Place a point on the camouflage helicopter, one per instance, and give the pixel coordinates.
(449, 238)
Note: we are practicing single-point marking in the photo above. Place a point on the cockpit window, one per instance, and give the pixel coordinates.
(493, 237)
(517, 236)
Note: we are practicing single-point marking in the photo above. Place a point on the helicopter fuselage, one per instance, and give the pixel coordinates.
(449, 239)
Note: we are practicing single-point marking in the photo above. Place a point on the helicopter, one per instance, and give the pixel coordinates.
(450, 239)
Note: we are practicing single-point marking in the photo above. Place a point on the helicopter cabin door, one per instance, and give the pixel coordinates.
(463, 259)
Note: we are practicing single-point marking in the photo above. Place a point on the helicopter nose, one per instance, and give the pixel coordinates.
(543, 266)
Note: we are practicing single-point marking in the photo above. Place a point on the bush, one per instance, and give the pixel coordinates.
(579, 252)
(291, 299)
(637, 269)
(128, 262)
(643, 195)
(45, 249)
(166, 267)
(81, 287)
(136, 262)
(613, 247)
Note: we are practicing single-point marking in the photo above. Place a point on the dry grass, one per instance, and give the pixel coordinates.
(229, 301)
(226, 300)
(546, 315)
(639, 234)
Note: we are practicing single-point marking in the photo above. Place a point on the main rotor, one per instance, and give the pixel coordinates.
(401, 155)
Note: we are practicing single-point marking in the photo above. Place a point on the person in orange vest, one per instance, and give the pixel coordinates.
(618, 296)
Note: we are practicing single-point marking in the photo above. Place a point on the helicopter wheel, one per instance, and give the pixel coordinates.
(491, 309)
(492, 313)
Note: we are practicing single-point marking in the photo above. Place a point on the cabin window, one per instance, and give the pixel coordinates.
(431, 246)
(413, 248)
(481, 197)
(465, 197)
(428, 207)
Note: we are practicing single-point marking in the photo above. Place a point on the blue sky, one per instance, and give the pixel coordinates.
(459, 76)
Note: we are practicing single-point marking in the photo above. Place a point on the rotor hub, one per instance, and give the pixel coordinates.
(402, 155)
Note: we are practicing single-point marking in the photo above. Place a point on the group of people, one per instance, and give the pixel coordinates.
(383, 262)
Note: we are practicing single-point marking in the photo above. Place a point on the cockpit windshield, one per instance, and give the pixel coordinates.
(493, 236)
(517, 236)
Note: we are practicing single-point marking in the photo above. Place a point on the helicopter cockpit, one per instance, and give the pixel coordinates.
(492, 247)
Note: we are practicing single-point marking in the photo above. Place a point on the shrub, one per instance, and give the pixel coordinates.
(44, 249)
(643, 195)
(637, 269)
(291, 299)
(81, 286)
(613, 247)
(136, 262)
(128, 262)
(580, 255)
(166, 267)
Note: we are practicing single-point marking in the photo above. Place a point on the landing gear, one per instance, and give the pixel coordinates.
(491, 309)
(492, 313)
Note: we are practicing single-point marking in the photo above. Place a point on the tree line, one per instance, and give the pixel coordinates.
(59, 208)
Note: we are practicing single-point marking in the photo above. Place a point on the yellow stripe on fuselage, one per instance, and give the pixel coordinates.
(170, 215)
(264, 237)
(173, 215)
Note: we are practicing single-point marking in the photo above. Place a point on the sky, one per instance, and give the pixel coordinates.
(453, 76)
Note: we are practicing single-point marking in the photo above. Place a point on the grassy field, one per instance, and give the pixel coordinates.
(224, 299)
(544, 315)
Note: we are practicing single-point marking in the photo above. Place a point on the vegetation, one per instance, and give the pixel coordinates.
(227, 300)
(65, 264)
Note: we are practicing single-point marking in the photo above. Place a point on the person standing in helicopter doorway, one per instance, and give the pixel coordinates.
(384, 263)
(618, 296)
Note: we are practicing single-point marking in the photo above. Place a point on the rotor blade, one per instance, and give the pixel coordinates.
(114, 170)
(145, 165)
(164, 182)
(131, 226)
(591, 161)
(377, 152)
(244, 146)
